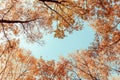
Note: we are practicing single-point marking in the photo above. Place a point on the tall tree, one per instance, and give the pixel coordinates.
(16, 63)
(99, 62)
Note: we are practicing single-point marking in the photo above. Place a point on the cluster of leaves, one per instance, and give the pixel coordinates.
(34, 18)
(18, 64)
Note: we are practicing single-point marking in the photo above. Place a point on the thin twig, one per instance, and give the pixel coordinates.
(56, 13)
(3, 28)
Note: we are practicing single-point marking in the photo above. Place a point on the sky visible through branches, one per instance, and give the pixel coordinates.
(54, 48)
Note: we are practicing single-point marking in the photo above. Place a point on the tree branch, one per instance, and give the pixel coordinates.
(56, 13)
(18, 21)
(53, 1)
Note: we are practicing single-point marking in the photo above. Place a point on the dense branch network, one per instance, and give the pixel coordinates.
(93, 64)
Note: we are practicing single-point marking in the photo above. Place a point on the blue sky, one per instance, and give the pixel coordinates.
(53, 47)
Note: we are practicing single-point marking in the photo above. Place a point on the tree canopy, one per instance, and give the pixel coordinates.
(33, 18)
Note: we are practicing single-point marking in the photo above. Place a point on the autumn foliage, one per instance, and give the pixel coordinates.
(34, 18)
